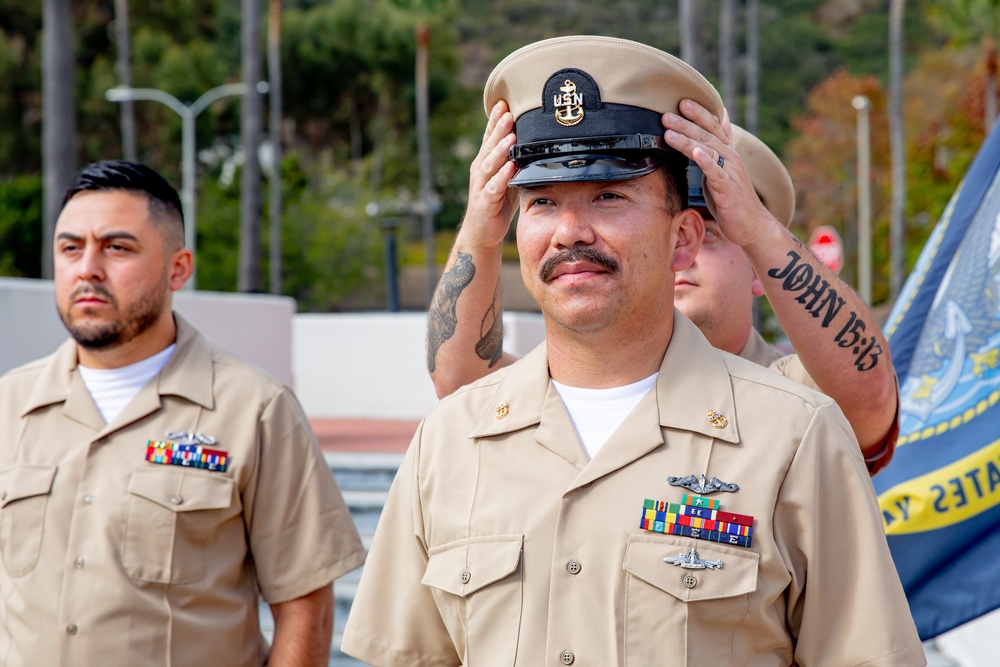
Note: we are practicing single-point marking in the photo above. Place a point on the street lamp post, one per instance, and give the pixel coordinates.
(863, 106)
(188, 113)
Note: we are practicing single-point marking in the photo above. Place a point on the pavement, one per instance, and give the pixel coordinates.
(364, 435)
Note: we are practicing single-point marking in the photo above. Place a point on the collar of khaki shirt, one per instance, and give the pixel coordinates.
(681, 405)
(188, 374)
(758, 351)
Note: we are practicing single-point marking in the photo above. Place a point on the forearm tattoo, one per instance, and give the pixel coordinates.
(491, 342)
(441, 318)
(822, 301)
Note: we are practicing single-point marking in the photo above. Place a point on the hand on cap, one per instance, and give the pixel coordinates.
(708, 141)
(491, 203)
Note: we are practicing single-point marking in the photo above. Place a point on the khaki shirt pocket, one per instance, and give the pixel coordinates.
(479, 580)
(684, 608)
(172, 516)
(24, 494)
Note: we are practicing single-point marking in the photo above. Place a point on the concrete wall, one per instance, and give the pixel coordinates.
(257, 328)
(374, 365)
(350, 365)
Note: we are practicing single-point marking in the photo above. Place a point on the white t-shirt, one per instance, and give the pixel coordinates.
(597, 413)
(113, 388)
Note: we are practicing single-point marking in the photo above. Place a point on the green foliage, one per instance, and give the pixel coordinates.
(21, 226)
(965, 21)
(331, 251)
(20, 136)
(349, 98)
(943, 122)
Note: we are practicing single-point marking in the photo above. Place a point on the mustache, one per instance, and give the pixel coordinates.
(91, 290)
(587, 254)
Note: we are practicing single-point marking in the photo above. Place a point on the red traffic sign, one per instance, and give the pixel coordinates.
(825, 243)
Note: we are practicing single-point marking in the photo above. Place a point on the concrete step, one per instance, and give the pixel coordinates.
(363, 471)
(364, 480)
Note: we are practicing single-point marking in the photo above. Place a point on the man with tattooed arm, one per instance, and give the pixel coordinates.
(840, 349)
(625, 494)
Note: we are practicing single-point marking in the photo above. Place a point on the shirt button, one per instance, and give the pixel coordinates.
(176, 500)
(567, 657)
(72, 629)
(79, 563)
(690, 580)
(466, 576)
(88, 499)
(574, 567)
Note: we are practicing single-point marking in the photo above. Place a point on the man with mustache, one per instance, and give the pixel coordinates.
(465, 327)
(152, 488)
(625, 494)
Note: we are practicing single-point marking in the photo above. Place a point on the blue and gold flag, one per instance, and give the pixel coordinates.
(940, 495)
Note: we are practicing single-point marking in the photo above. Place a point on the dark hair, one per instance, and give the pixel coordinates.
(131, 177)
(674, 172)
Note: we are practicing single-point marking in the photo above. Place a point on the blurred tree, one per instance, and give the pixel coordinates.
(942, 114)
(897, 146)
(58, 117)
(973, 22)
(349, 98)
(123, 49)
(274, 135)
(251, 129)
(20, 233)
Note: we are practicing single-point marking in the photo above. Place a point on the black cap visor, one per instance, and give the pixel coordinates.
(613, 158)
(585, 167)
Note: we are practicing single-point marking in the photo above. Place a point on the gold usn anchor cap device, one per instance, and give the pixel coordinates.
(589, 108)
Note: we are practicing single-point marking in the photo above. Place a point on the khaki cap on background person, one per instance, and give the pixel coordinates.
(767, 173)
(589, 108)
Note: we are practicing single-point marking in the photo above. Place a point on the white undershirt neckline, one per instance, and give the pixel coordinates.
(597, 413)
(114, 388)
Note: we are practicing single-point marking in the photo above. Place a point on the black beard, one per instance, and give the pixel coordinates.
(112, 335)
(143, 315)
(104, 338)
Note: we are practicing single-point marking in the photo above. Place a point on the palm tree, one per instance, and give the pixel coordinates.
(753, 69)
(124, 67)
(692, 18)
(727, 56)
(58, 116)
(274, 78)
(897, 148)
(249, 277)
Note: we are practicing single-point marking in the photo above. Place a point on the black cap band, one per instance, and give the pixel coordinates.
(610, 119)
(575, 136)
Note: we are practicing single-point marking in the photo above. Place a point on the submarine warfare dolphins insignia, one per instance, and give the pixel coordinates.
(691, 561)
(699, 485)
(568, 105)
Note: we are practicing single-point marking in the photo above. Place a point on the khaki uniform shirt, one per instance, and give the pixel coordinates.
(758, 351)
(107, 559)
(502, 544)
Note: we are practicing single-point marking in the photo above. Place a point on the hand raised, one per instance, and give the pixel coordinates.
(491, 203)
(709, 142)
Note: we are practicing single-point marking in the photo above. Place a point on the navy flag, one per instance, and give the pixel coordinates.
(940, 496)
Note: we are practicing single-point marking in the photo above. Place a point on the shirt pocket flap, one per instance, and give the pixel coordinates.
(24, 482)
(736, 576)
(182, 492)
(465, 566)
